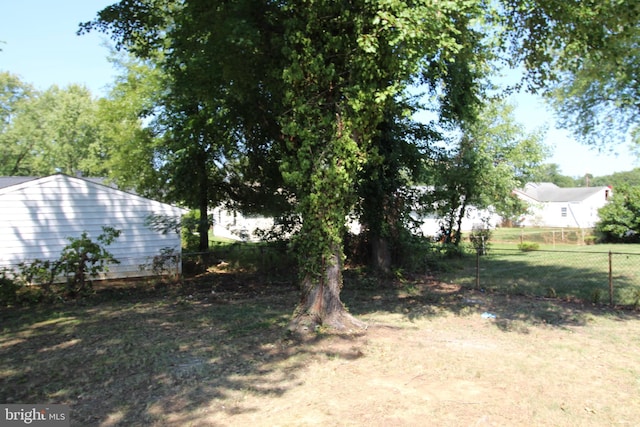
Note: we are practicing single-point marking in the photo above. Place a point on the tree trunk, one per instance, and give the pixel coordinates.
(203, 201)
(320, 304)
(458, 230)
(203, 227)
(380, 254)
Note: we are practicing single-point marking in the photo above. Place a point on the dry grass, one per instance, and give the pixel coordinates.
(214, 353)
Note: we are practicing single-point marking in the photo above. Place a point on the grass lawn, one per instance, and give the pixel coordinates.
(569, 271)
(213, 352)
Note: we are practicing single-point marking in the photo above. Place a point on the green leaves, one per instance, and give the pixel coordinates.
(584, 56)
(620, 218)
(54, 130)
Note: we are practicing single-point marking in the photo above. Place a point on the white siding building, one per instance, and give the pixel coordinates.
(38, 215)
(552, 206)
(233, 225)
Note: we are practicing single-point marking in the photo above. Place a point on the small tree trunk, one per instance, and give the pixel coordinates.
(458, 230)
(320, 303)
(380, 254)
(203, 202)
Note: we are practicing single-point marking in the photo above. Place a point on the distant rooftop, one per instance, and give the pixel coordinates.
(549, 192)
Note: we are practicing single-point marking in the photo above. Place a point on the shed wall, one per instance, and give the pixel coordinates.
(39, 216)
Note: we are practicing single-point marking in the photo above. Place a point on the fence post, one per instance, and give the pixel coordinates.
(610, 279)
(477, 268)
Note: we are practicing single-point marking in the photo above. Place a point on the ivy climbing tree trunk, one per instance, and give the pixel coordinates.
(342, 66)
(323, 173)
(320, 303)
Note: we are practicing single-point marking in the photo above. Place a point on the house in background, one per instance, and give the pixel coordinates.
(233, 225)
(552, 206)
(38, 215)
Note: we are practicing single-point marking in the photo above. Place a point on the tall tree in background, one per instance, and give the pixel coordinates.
(215, 59)
(71, 136)
(130, 145)
(456, 85)
(493, 156)
(16, 146)
(56, 130)
(385, 197)
(551, 173)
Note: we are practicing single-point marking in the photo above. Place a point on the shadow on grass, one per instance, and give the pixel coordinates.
(175, 355)
(162, 357)
(572, 276)
(427, 297)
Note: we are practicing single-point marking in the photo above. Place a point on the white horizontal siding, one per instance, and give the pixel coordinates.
(38, 217)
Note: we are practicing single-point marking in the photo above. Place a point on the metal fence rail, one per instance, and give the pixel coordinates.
(589, 276)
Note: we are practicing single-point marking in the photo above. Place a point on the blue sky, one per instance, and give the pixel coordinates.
(40, 45)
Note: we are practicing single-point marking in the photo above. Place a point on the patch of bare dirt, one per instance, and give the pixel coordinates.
(214, 352)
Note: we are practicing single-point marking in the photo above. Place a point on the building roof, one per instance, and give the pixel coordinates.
(8, 181)
(549, 192)
(9, 184)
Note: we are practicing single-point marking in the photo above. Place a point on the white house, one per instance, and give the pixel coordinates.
(474, 217)
(231, 224)
(552, 206)
(430, 224)
(234, 225)
(38, 215)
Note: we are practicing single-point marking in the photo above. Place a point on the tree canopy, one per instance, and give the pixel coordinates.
(493, 156)
(302, 93)
(56, 130)
(311, 81)
(585, 57)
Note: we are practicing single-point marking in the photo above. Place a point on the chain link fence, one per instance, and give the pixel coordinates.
(545, 236)
(271, 261)
(588, 276)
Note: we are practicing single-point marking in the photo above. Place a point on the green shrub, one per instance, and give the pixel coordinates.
(8, 288)
(479, 239)
(528, 246)
(83, 259)
(190, 234)
(39, 272)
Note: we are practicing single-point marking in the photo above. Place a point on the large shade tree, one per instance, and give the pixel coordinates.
(331, 68)
(338, 78)
(312, 82)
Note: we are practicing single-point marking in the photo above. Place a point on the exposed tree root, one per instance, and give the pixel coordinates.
(340, 321)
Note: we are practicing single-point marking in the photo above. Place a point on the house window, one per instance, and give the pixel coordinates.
(563, 212)
(606, 194)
